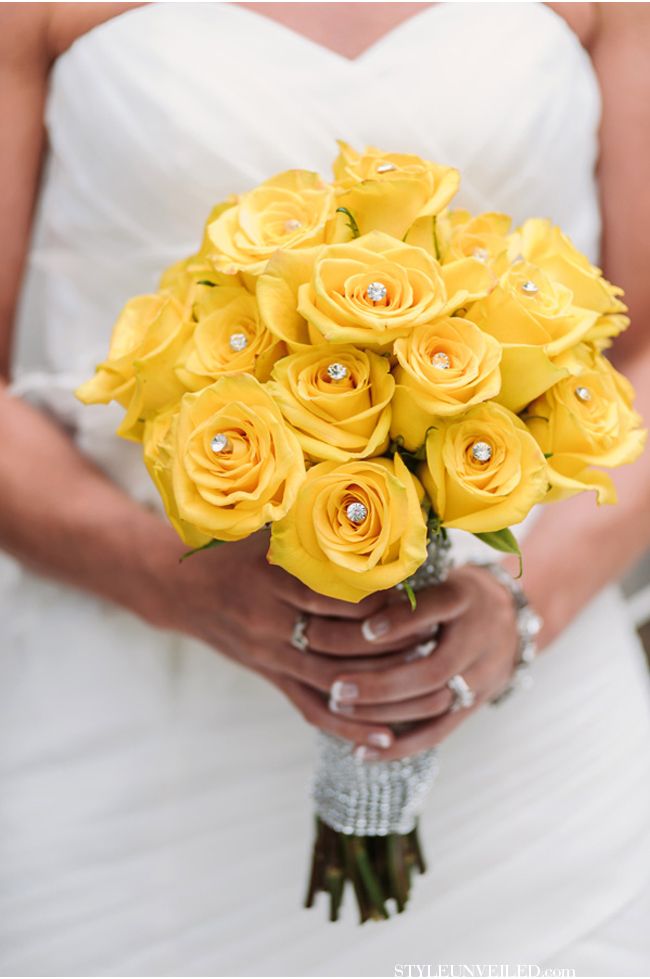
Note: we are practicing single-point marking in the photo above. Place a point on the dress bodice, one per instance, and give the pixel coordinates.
(162, 111)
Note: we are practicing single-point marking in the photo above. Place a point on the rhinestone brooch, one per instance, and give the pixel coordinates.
(356, 512)
(529, 287)
(441, 361)
(337, 372)
(583, 394)
(219, 443)
(376, 291)
(238, 342)
(482, 451)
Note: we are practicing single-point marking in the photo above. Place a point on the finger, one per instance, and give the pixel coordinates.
(417, 709)
(481, 678)
(394, 626)
(314, 709)
(454, 654)
(320, 672)
(291, 591)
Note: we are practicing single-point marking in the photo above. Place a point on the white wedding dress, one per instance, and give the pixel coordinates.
(154, 810)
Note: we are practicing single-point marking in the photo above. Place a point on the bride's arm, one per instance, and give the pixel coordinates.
(575, 548)
(597, 545)
(60, 515)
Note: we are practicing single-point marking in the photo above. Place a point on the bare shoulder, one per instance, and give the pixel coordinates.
(582, 18)
(68, 21)
(35, 34)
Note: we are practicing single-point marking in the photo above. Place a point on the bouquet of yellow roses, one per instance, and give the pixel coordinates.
(359, 367)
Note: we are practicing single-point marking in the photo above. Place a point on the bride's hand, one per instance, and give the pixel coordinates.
(231, 598)
(480, 644)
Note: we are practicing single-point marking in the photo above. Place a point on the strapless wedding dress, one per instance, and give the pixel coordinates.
(154, 814)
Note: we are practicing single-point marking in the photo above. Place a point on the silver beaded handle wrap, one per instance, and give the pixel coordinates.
(529, 624)
(372, 798)
(375, 798)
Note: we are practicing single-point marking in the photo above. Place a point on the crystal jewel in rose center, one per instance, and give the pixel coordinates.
(529, 287)
(482, 451)
(356, 512)
(386, 167)
(376, 292)
(337, 372)
(292, 225)
(482, 254)
(583, 393)
(219, 443)
(441, 361)
(238, 342)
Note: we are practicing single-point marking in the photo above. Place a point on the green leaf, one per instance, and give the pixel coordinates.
(204, 547)
(548, 455)
(352, 224)
(411, 595)
(505, 541)
(206, 282)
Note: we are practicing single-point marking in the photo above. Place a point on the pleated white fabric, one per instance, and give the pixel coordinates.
(154, 814)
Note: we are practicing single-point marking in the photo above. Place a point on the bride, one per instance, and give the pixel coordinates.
(154, 804)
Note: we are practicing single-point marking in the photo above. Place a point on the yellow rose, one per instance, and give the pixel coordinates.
(237, 465)
(388, 192)
(288, 211)
(337, 400)
(356, 528)
(484, 471)
(229, 339)
(368, 291)
(541, 243)
(583, 421)
(458, 234)
(158, 446)
(535, 320)
(444, 368)
(139, 372)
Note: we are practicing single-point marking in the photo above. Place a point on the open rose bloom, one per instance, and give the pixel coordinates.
(356, 366)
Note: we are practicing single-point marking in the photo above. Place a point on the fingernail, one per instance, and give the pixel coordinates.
(344, 691)
(421, 651)
(337, 708)
(363, 753)
(374, 628)
(380, 739)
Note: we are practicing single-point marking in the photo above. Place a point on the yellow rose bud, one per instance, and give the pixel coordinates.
(484, 471)
(368, 291)
(139, 373)
(336, 399)
(229, 339)
(190, 279)
(444, 368)
(543, 244)
(485, 237)
(535, 320)
(288, 211)
(158, 446)
(237, 465)
(587, 420)
(356, 528)
(387, 192)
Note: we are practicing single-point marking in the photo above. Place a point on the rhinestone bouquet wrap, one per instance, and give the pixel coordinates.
(367, 811)
(348, 367)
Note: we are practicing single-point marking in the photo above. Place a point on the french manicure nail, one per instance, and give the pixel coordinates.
(380, 739)
(338, 708)
(363, 753)
(375, 628)
(421, 651)
(344, 692)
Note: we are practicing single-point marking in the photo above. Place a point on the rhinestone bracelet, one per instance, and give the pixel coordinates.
(529, 624)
